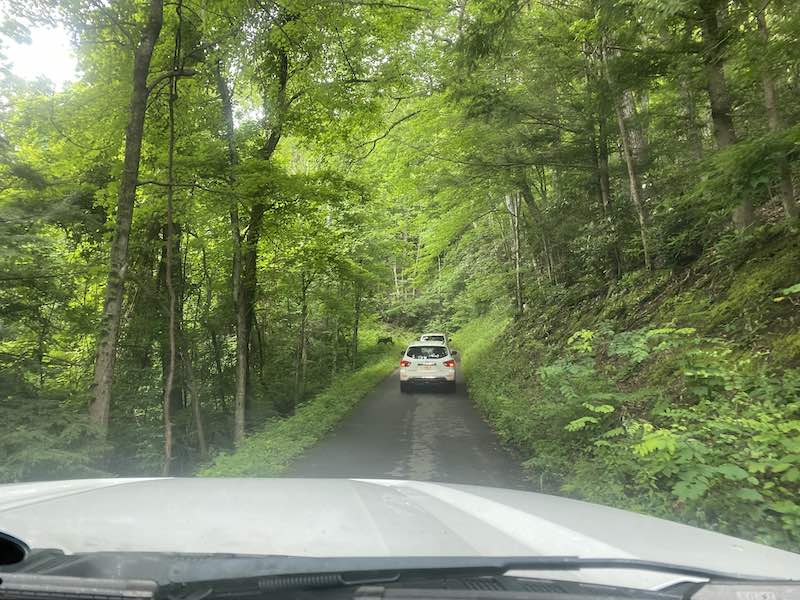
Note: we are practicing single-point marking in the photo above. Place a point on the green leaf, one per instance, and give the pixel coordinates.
(661, 439)
(579, 424)
(792, 475)
(794, 289)
(749, 494)
(690, 490)
(732, 472)
(787, 507)
(599, 408)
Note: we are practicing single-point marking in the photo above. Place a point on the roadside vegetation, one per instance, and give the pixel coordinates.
(596, 199)
(269, 452)
(650, 410)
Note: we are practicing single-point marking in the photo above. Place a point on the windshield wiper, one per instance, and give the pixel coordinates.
(386, 578)
(125, 574)
(358, 569)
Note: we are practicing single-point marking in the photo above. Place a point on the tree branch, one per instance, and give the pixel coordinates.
(379, 4)
(169, 75)
(385, 134)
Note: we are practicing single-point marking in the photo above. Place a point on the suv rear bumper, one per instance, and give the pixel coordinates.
(436, 377)
(428, 380)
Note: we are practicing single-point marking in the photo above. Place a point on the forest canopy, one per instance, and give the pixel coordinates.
(234, 199)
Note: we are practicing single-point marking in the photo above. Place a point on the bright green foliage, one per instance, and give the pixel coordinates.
(318, 267)
(544, 180)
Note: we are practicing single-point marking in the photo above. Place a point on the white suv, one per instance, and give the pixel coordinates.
(428, 363)
(434, 337)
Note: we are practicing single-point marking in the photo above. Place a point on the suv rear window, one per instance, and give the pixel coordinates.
(427, 352)
(433, 338)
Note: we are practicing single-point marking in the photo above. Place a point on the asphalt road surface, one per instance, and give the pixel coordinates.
(427, 435)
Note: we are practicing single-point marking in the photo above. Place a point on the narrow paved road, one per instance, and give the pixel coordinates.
(426, 435)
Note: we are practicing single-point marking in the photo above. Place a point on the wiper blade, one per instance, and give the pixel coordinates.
(333, 572)
(257, 574)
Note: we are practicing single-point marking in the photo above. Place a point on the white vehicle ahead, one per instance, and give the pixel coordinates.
(429, 363)
(434, 337)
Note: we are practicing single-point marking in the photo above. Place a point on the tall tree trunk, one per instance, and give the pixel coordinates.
(635, 186)
(197, 412)
(356, 320)
(100, 403)
(538, 217)
(640, 149)
(512, 205)
(245, 251)
(335, 330)
(694, 126)
(714, 44)
(713, 56)
(212, 332)
(300, 356)
(170, 259)
(396, 279)
(776, 124)
(242, 343)
(604, 179)
(242, 332)
(629, 153)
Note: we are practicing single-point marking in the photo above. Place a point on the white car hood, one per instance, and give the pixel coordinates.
(364, 518)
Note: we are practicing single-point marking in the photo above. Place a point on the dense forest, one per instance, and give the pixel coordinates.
(596, 198)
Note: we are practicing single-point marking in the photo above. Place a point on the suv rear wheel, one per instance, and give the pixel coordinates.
(451, 387)
(403, 387)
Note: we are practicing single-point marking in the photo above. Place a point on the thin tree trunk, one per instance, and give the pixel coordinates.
(512, 204)
(245, 254)
(300, 357)
(197, 411)
(260, 342)
(694, 126)
(636, 136)
(100, 402)
(396, 279)
(719, 97)
(242, 333)
(720, 100)
(356, 319)
(538, 217)
(629, 156)
(635, 186)
(170, 258)
(335, 329)
(598, 145)
(602, 163)
(604, 183)
(775, 125)
(212, 333)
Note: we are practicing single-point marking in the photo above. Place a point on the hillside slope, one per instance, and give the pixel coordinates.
(674, 394)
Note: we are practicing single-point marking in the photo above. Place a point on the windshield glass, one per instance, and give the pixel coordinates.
(427, 352)
(227, 225)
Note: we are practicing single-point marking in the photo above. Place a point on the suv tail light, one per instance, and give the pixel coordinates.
(405, 363)
(450, 363)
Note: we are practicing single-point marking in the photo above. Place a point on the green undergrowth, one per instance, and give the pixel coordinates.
(270, 451)
(676, 395)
